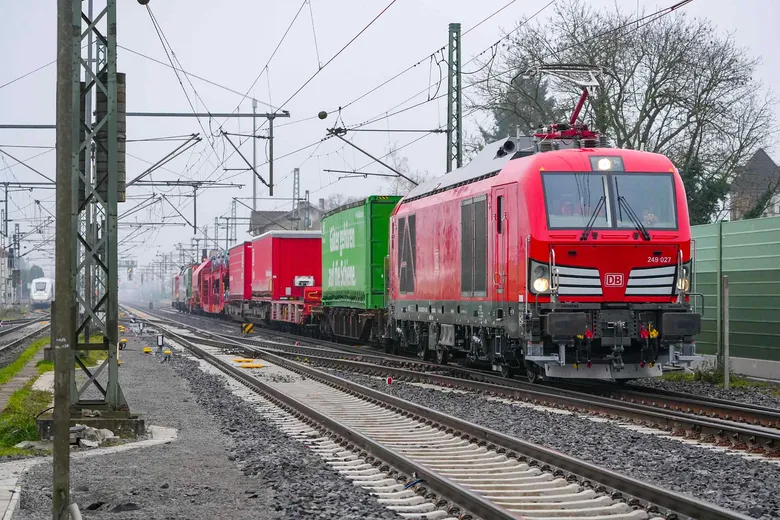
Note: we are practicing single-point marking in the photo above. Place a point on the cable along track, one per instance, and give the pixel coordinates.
(488, 474)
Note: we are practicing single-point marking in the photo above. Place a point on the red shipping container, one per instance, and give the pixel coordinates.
(284, 263)
(240, 272)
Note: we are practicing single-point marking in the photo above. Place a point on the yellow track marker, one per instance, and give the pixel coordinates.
(243, 360)
(167, 352)
(147, 350)
(251, 365)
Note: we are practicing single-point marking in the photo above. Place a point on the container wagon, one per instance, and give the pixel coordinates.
(354, 249)
(286, 274)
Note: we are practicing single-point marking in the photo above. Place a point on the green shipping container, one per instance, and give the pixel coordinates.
(354, 247)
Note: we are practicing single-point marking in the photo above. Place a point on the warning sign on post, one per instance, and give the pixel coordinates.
(247, 328)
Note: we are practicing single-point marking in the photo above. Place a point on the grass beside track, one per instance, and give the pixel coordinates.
(17, 420)
(715, 377)
(8, 372)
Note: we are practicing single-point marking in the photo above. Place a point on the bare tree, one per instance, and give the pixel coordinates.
(398, 185)
(336, 200)
(676, 87)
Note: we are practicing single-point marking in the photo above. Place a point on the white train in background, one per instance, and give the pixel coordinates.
(41, 293)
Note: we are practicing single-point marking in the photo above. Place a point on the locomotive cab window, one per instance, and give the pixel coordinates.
(575, 199)
(649, 196)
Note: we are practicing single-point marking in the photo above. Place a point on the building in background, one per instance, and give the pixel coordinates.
(751, 183)
(305, 216)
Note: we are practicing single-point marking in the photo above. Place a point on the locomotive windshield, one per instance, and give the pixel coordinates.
(573, 198)
(599, 201)
(651, 196)
(40, 286)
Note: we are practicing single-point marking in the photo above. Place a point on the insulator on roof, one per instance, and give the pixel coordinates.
(590, 143)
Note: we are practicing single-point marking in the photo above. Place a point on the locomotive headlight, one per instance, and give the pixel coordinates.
(541, 285)
(539, 277)
(604, 164)
(684, 279)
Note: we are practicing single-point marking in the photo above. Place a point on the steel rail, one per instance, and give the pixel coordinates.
(747, 412)
(663, 498)
(681, 424)
(20, 325)
(453, 492)
(15, 343)
(695, 405)
(723, 432)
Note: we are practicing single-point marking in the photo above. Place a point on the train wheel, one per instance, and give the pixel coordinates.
(507, 371)
(424, 353)
(532, 372)
(441, 356)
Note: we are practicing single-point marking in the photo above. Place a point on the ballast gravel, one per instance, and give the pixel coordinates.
(228, 461)
(750, 487)
(765, 394)
(303, 486)
(190, 478)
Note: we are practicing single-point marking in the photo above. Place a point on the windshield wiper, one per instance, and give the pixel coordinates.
(623, 203)
(592, 220)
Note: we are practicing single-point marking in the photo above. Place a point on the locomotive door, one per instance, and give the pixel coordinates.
(501, 234)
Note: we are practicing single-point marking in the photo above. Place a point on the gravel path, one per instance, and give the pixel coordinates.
(728, 480)
(768, 395)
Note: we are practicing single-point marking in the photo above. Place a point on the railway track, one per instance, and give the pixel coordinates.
(746, 429)
(18, 328)
(422, 462)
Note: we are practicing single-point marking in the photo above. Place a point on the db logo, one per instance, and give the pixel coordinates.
(613, 280)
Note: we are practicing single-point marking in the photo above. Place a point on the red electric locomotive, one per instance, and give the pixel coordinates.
(570, 263)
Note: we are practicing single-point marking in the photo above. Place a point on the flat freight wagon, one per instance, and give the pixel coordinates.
(286, 277)
(354, 249)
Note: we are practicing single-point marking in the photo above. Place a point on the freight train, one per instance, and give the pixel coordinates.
(572, 263)
(549, 254)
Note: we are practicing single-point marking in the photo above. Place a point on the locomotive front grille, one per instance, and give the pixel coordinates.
(578, 281)
(651, 281)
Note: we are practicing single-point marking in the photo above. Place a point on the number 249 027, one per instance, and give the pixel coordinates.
(659, 259)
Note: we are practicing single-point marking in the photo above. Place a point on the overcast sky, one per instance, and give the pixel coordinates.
(229, 43)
